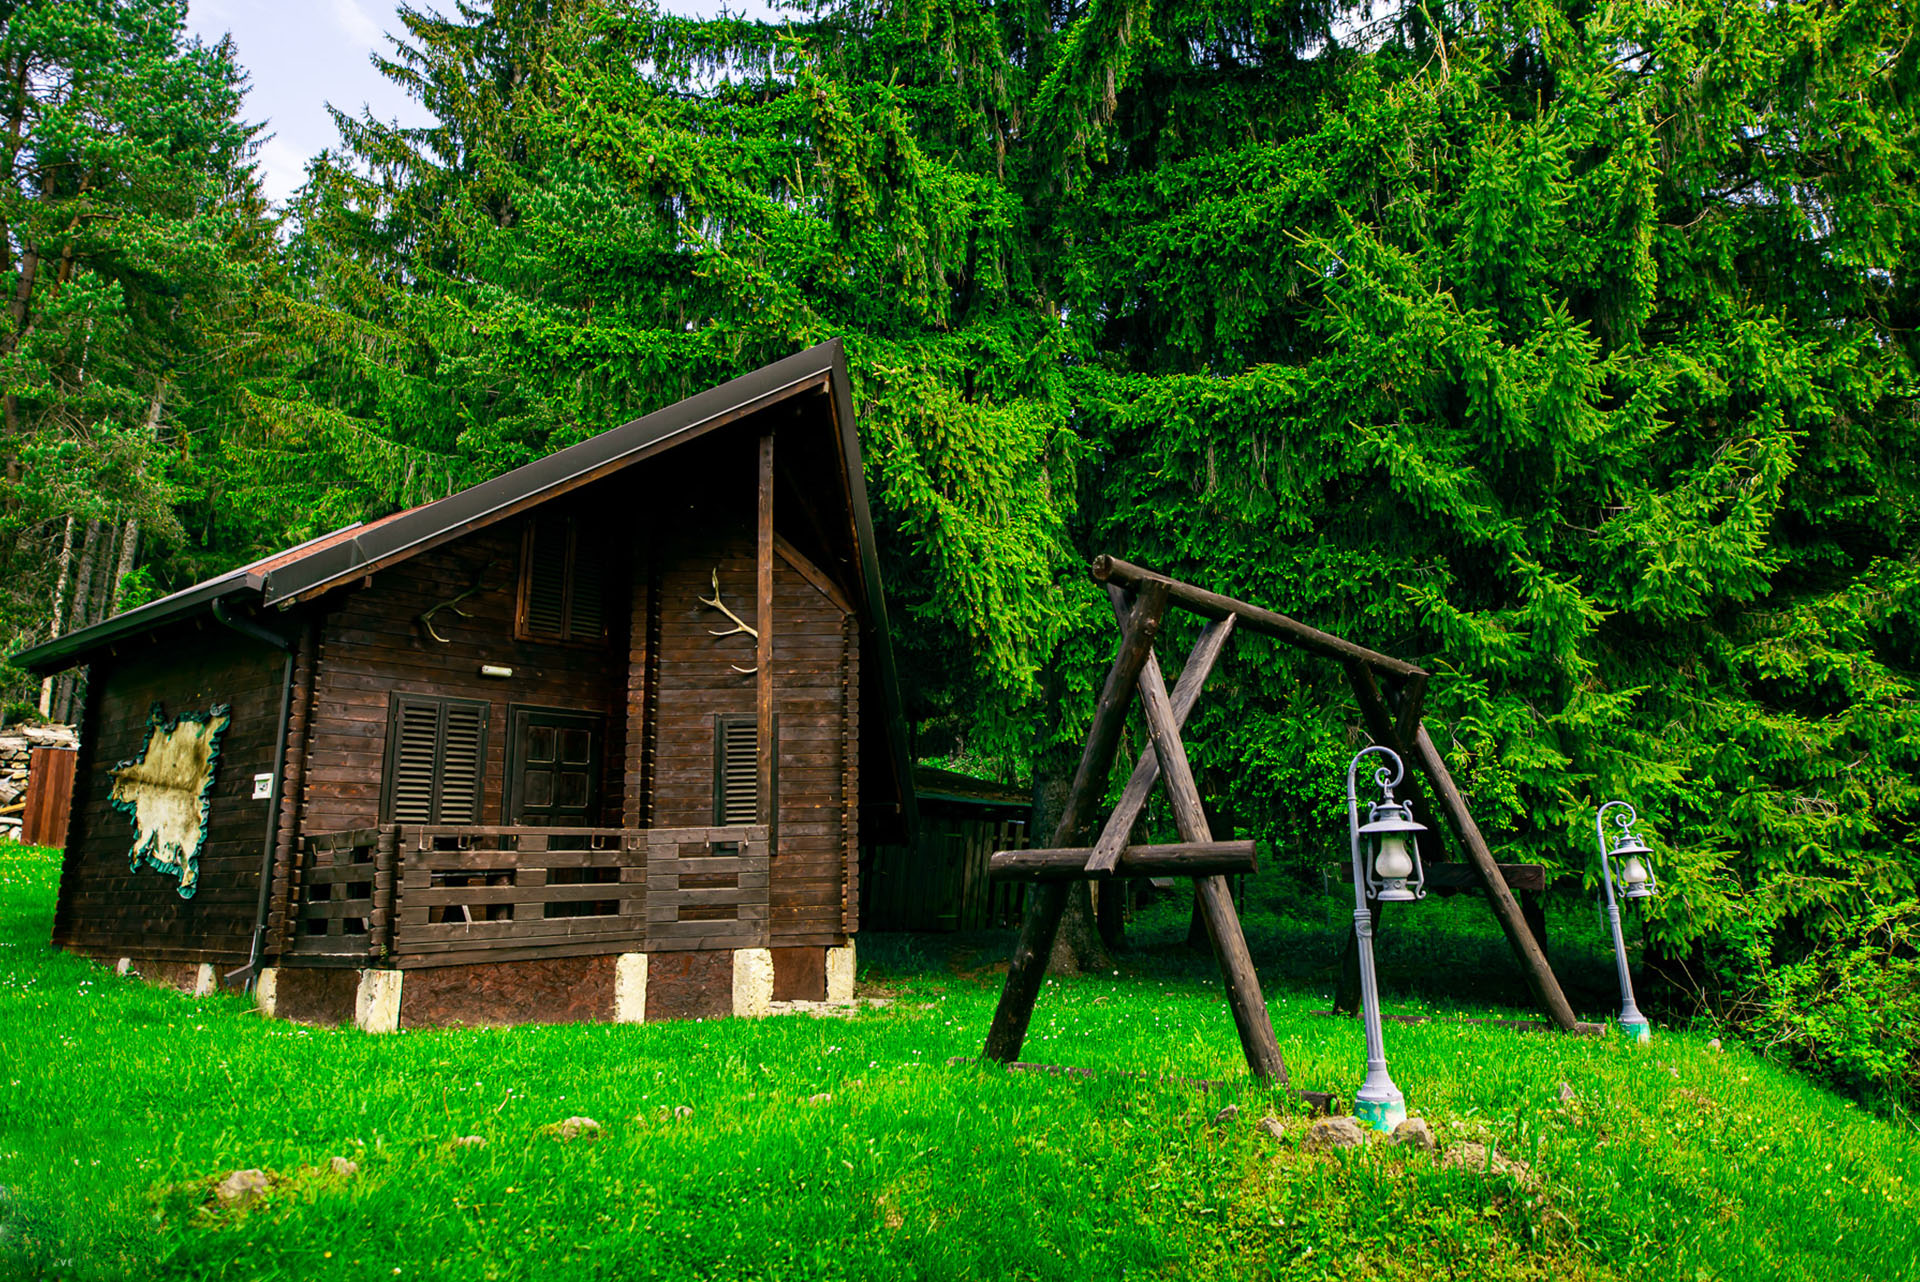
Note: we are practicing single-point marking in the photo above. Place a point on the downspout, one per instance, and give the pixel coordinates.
(248, 628)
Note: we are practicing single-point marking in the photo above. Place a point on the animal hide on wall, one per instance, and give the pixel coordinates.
(164, 792)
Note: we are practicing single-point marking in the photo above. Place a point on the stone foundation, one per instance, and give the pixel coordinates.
(619, 988)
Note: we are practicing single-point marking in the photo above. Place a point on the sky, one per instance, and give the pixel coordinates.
(305, 54)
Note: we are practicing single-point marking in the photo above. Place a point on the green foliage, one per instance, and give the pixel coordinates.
(1566, 350)
(131, 238)
(1564, 353)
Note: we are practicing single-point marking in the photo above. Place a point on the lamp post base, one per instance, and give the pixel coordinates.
(1638, 1029)
(1380, 1114)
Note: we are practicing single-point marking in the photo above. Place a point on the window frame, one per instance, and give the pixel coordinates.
(522, 629)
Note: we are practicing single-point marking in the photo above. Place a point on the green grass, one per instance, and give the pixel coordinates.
(121, 1104)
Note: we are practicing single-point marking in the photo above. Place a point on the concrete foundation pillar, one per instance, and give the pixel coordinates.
(630, 988)
(204, 981)
(376, 1007)
(840, 973)
(266, 989)
(752, 980)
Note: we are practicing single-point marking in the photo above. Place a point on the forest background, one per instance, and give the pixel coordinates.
(1566, 348)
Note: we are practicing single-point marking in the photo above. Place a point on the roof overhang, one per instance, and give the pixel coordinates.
(294, 576)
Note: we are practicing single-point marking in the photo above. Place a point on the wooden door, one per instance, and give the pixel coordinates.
(553, 768)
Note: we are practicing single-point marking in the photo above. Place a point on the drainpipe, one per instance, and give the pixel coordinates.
(248, 628)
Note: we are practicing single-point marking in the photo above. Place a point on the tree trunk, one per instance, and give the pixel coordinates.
(61, 575)
(129, 552)
(81, 614)
(1076, 948)
(103, 572)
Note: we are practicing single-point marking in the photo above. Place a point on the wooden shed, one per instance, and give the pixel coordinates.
(938, 880)
(597, 739)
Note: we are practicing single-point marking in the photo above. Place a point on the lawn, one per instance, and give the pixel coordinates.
(849, 1148)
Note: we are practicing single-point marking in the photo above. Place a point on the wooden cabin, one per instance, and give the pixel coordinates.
(597, 739)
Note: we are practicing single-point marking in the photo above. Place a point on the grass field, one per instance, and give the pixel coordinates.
(849, 1148)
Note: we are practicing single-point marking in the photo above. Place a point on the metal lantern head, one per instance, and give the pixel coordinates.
(1394, 874)
(1636, 879)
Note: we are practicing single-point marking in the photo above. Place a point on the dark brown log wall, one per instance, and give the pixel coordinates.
(107, 909)
(697, 681)
(372, 644)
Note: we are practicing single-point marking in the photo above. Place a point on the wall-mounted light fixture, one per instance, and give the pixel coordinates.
(495, 670)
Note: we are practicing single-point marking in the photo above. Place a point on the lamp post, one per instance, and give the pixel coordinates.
(1386, 867)
(1640, 884)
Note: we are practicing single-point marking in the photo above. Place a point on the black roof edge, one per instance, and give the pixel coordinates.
(854, 461)
(606, 451)
(66, 651)
(71, 648)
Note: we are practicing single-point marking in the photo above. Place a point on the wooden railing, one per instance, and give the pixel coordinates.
(343, 896)
(440, 894)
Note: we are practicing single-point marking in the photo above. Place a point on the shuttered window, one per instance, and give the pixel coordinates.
(736, 771)
(562, 583)
(436, 760)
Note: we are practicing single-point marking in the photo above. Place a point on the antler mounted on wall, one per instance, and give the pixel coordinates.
(425, 618)
(739, 624)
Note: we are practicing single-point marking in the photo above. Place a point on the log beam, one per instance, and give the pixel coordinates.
(1172, 860)
(1110, 569)
(1533, 959)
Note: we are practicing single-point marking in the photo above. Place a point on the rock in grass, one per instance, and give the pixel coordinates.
(1714, 1045)
(343, 1167)
(824, 1097)
(1271, 1127)
(1566, 1094)
(575, 1128)
(1478, 1158)
(683, 1112)
(1335, 1132)
(242, 1187)
(1227, 1116)
(469, 1141)
(1414, 1133)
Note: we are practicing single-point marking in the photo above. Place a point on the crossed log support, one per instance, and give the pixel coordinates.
(1140, 599)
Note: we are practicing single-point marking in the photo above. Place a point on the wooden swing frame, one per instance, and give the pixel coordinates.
(1390, 693)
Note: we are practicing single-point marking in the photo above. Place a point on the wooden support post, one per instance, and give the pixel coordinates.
(1146, 771)
(763, 673)
(1533, 960)
(1244, 997)
(1028, 966)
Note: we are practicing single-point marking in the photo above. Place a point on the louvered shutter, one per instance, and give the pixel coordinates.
(586, 587)
(544, 578)
(736, 771)
(463, 761)
(414, 733)
(562, 582)
(436, 760)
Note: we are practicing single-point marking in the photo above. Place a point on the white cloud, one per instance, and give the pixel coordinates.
(283, 167)
(355, 24)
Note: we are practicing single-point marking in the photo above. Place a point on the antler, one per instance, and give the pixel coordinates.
(739, 624)
(452, 603)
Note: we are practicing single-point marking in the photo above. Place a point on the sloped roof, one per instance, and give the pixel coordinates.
(303, 572)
